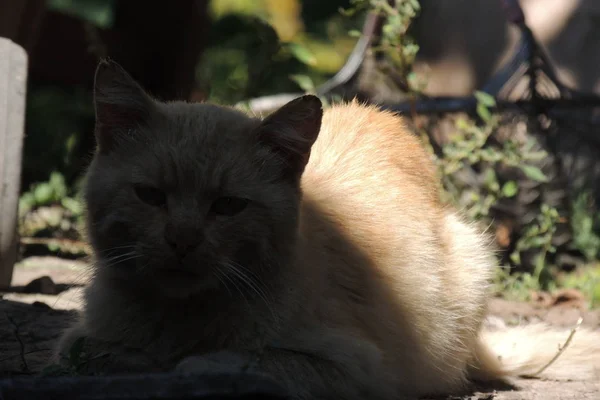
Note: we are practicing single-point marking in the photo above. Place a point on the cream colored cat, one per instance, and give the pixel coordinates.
(310, 246)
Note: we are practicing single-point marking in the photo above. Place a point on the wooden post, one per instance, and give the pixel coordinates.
(13, 77)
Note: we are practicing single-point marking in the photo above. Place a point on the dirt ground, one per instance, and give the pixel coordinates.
(35, 311)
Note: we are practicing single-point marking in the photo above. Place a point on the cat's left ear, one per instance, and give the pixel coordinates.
(292, 130)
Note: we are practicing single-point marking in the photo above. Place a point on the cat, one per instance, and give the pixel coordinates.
(311, 246)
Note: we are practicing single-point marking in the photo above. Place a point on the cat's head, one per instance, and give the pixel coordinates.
(193, 197)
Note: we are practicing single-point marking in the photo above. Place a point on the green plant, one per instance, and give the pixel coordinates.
(50, 216)
(469, 165)
(586, 280)
(54, 191)
(59, 137)
(538, 235)
(99, 12)
(396, 45)
(584, 222)
(471, 146)
(514, 286)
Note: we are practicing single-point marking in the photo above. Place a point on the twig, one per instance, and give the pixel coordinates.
(561, 349)
(21, 344)
(371, 29)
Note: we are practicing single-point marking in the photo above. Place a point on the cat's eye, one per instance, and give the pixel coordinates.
(228, 206)
(152, 196)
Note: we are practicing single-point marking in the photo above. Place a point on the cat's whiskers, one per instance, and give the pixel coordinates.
(258, 282)
(84, 276)
(78, 280)
(144, 268)
(111, 262)
(255, 278)
(115, 248)
(222, 278)
(227, 276)
(111, 255)
(254, 284)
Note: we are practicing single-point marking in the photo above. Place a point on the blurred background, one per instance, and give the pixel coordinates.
(511, 119)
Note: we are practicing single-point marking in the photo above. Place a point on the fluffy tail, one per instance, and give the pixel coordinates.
(531, 350)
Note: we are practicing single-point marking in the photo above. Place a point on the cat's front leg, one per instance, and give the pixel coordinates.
(324, 368)
(79, 352)
(303, 376)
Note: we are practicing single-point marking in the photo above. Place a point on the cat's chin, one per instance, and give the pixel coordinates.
(179, 283)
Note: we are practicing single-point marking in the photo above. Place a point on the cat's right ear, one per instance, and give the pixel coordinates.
(121, 104)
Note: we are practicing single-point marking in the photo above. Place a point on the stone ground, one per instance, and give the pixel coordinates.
(35, 311)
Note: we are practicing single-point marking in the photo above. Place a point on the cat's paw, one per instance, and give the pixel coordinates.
(81, 354)
(355, 354)
(221, 362)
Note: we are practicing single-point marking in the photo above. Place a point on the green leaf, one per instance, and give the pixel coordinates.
(412, 77)
(533, 173)
(304, 82)
(483, 112)
(26, 203)
(536, 156)
(58, 185)
(462, 124)
(302, 54)
(509, 189)
(486, 99)
(43, 193)
(354, 33)
(490, 179)
(515, 257)
(72, 205)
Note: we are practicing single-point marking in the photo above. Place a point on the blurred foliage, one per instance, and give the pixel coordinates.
(585, 222)
(98, 12)
(261, 47)
(471, 146)
(469, 166)
(51, 216)
(59, 121)
(586, 280)
(470, 149)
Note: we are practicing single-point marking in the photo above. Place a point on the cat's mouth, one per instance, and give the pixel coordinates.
(178, 281)
(178, 273)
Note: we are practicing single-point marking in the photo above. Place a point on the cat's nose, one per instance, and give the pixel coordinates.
(181, 249)
(182, 243)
